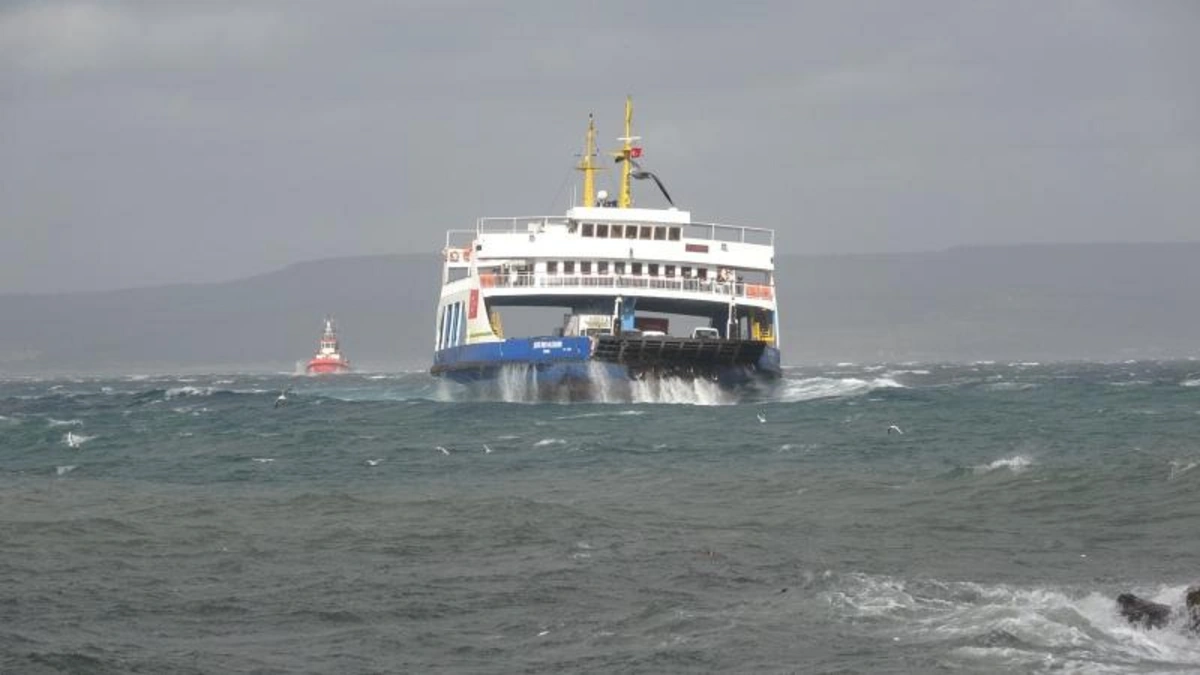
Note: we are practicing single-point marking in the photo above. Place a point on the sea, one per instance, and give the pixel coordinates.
(852, 518)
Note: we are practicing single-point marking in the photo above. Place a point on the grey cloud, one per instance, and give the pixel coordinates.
(194, 141)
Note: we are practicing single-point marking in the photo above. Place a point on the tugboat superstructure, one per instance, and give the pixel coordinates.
(328, 358)
(617, 270)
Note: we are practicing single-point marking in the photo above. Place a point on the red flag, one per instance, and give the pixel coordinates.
(635, 152)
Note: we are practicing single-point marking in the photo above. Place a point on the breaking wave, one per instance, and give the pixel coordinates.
(1009, 627)
(827, 387)
(1016, 464)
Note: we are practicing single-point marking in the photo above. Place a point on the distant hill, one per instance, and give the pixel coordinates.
(1037, 302)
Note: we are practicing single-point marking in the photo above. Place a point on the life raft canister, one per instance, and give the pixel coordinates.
(454, 255)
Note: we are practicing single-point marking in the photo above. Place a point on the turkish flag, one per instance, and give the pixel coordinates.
(635, 152)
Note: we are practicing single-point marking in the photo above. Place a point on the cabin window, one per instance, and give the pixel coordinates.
(619, 267)
(653, 269)
(660, 233)
(585, 267)
(631, 231)
(602, 230)
(588, 229)
(647, 232)
(568, 267)
(687, 272)
(670, 271)
(615, 231)
(602, 267)
(637, 269)
(702, 272)
(551, 267)
(673, 233)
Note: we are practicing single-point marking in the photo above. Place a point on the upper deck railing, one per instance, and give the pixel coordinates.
(705, 287)
(697, 231)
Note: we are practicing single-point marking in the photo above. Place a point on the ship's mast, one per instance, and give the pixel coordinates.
(625, 199)
(587, 166)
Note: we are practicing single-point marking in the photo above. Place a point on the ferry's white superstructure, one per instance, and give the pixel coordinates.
(616, 270)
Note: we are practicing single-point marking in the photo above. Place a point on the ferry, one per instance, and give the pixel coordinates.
(328, 358)
(643, 292)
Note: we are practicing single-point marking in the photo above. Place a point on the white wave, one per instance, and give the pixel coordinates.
(1130, 383)
(74, 440)
(550, 441)
(1016, 464)
(65, 469)
(906, 371)
(189, 391)
(1195, 382)
(64, 423)
(1180, 467)
(1010, 386)
(263, 460)
(1038, 628)
(619, 413)
(826, 387)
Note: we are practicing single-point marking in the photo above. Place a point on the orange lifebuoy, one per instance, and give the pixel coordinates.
(454, 255)
(466, 254)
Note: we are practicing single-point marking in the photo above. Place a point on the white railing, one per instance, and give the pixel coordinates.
(706, 287)
(696, 231)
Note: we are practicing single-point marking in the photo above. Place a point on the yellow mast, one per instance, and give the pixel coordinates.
(626, 197)
(586, 165)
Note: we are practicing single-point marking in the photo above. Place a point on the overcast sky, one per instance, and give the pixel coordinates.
(152, 142)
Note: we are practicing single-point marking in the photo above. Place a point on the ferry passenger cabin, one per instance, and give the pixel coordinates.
(606, 263)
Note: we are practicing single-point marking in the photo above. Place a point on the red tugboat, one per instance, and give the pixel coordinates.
(328, 359)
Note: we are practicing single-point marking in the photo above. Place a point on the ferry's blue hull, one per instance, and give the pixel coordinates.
(568, 361)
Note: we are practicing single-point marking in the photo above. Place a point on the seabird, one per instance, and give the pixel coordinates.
(895, 429)
(374, 462)
(282, 398)
(486, 449)
(443, 450)
(762, 418)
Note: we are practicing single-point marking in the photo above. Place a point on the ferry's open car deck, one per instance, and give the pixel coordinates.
(676, 354)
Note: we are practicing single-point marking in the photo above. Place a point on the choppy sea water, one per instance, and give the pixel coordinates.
(381, 523)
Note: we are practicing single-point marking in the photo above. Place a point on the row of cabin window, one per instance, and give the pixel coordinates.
(607, 231)
(452, 328)
(620, 267)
